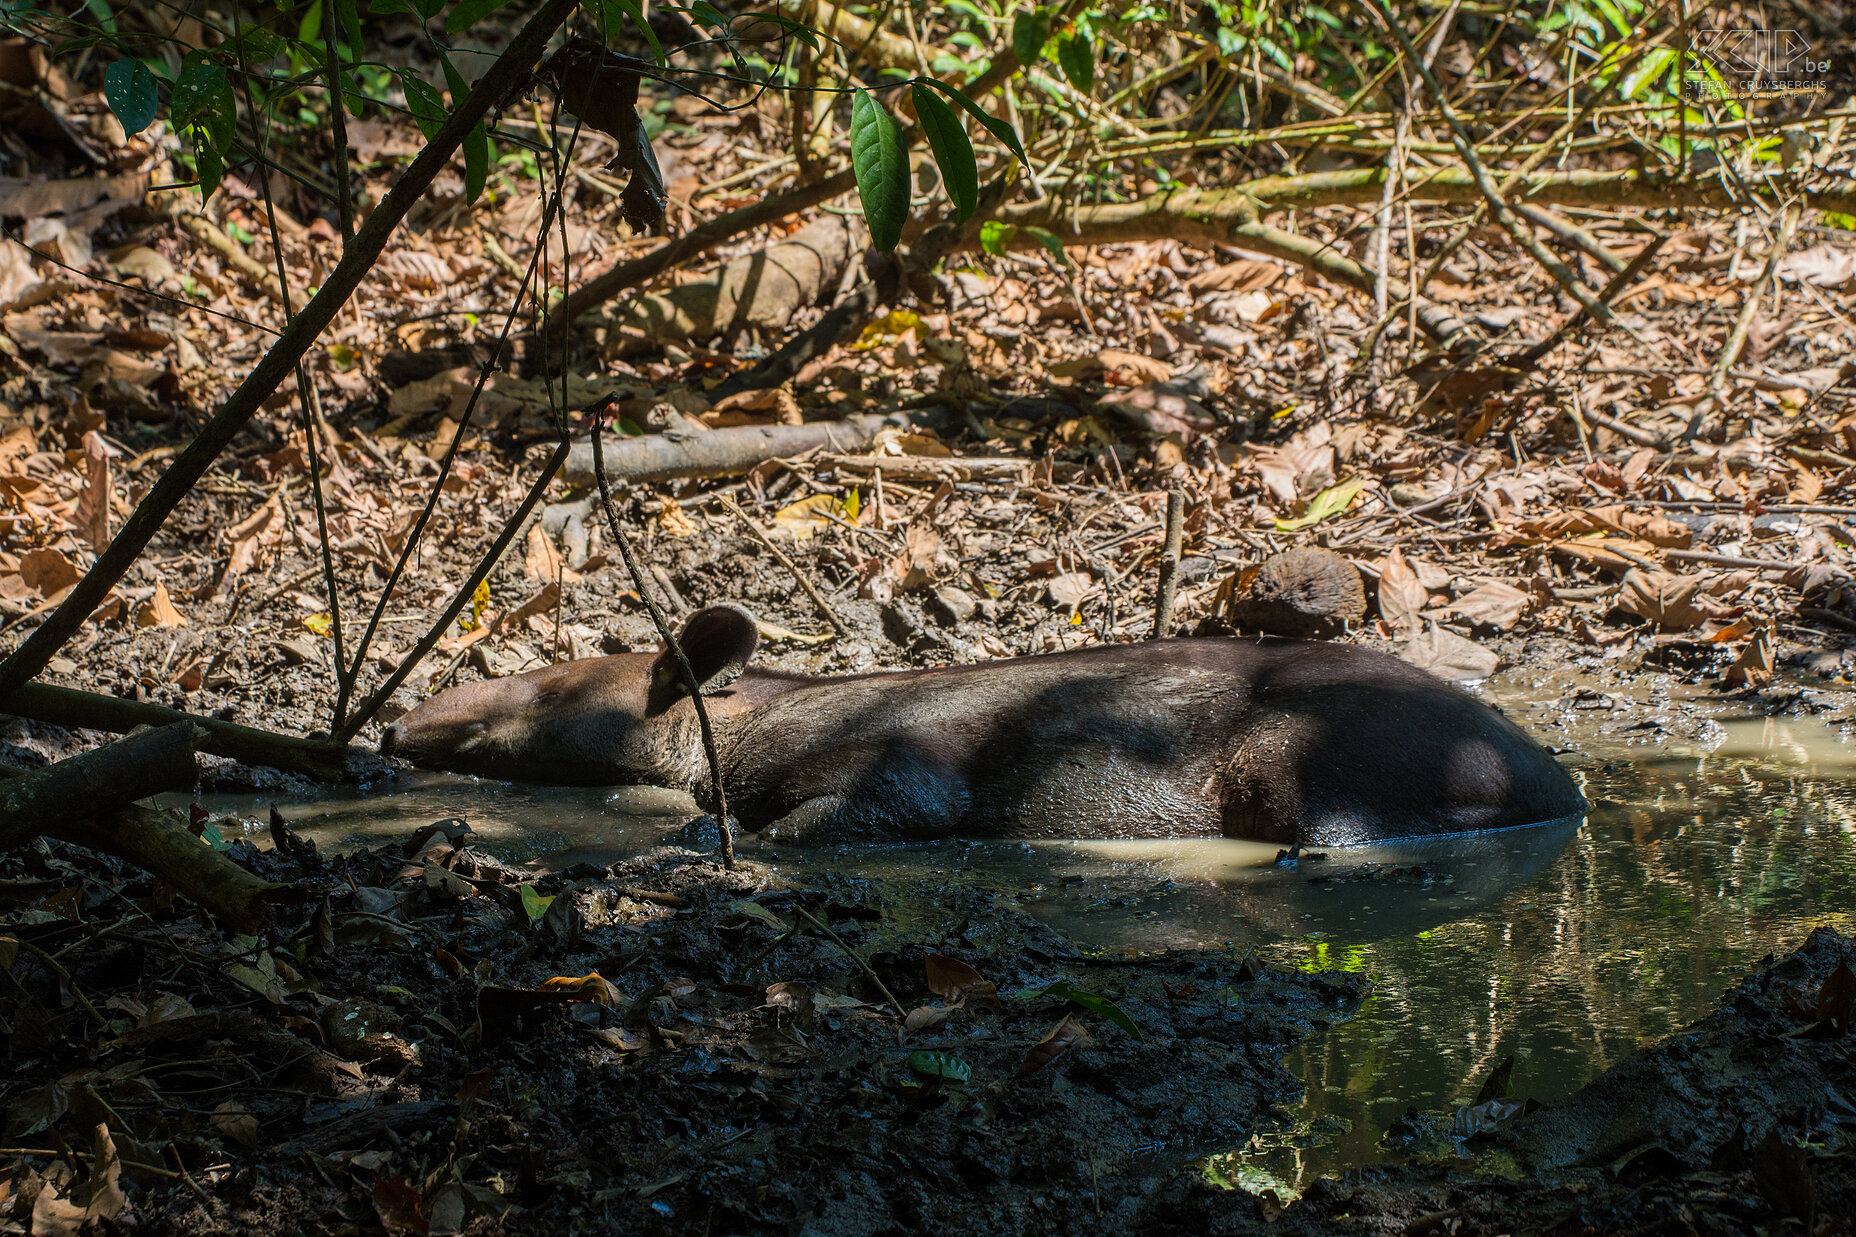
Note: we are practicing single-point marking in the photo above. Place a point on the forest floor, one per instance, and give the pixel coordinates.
(405, 1050)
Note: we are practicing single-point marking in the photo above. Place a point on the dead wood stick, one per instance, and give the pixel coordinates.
(870, 974)
(1623, 279)
(509, 71)
(733, 451)
(1169, 564)
(436, 632)
(246, 265)
(759, 534)
(67, 706)
(1729, 560)
(1571, 233)
(931, 467)
(101, 780)
(160, 842)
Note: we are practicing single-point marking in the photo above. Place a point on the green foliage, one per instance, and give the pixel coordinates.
(881, 165)
(478, 152)
(130, 89)
(953, 153)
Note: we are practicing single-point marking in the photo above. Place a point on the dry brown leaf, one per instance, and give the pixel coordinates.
(540, 557)
(16, 274)
(48, 572)
(1131, 368)
(158, 610)
(1244, 275)
(1064, 1036)
(674, 521)
(1401, 594)
(1664, 599)
(232, 1120)
(1071, 589)
(543, 602)
(957, 983)
(1493, 605)
(1449, 656)
(1754, 666)
(926, 1018)
(1298, 469)
(770, 406)
(92, 516)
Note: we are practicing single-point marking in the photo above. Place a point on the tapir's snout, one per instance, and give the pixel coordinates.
(390, 739)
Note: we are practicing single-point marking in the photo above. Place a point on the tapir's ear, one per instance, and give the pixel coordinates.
(719, 642)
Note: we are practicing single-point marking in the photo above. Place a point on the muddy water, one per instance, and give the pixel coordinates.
(1566, 946)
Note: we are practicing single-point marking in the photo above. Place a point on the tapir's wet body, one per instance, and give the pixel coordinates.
(1281, 740)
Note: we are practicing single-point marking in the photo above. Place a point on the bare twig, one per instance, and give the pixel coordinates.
(1169, 564)
(720, 792)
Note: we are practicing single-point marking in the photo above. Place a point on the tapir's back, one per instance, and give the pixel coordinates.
(1283, 740)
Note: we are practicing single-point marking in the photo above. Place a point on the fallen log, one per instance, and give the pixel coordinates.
(762, 290)
(733, 451)
(109, 777)
(88, 801)
(68, 706)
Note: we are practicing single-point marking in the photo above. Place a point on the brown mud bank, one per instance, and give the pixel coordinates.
(429, 1043)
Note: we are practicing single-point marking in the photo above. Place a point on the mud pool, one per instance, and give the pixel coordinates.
(1567, 946)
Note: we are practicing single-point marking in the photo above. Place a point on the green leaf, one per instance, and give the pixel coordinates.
(469, 12)
(1331, 501)
(754, 910)
(942, 1065)
(424, 101)
(1030, 31)
(881, 165)
(996, 237)
(998, 128)
(534, 905)
(351, 25)
(478, 155)
(617, 14)
(130, 89)
(1077, 59)
(428, 9)
(1095, 1005)
(257, 45)
(203, 97)
(953, 153)
(1051, 242)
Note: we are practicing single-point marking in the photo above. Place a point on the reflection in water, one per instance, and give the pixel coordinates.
(1568, 946)
(1691, 868)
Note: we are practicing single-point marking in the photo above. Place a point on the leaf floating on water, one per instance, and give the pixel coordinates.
(1065, 1036)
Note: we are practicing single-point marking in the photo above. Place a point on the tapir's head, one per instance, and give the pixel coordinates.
(624, 720)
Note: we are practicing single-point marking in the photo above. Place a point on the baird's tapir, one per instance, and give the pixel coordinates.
(1324, 744)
